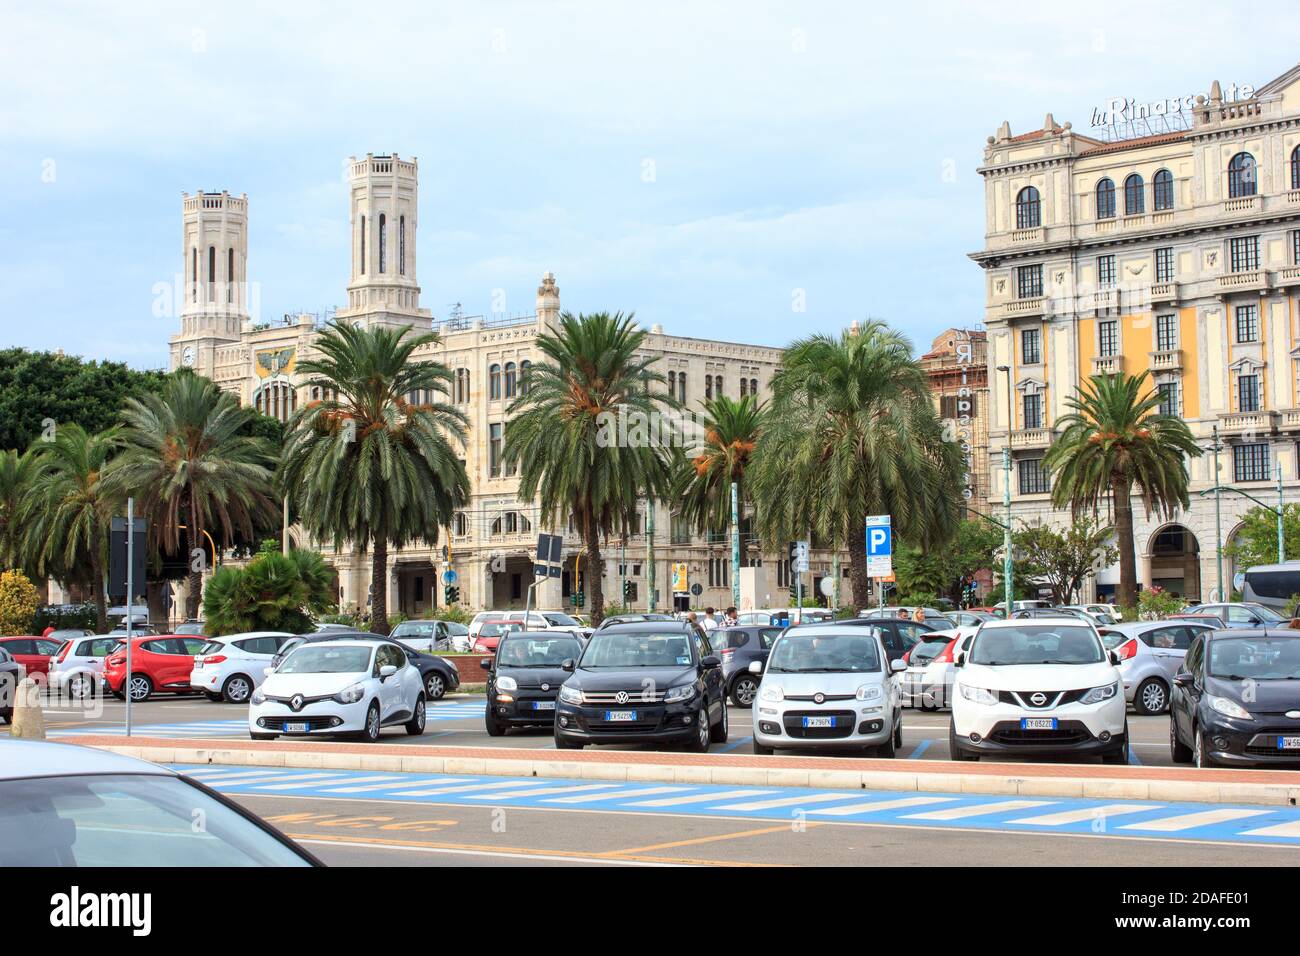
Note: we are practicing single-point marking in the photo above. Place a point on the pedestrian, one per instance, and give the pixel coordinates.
(731, 619)
(919, 615)
(709, 623)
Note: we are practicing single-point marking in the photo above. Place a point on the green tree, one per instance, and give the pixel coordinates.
(369, 466)
(852, 432)
(703, 488)
(1065, 558)
(18, 602)
(1255, 541)
(1115, 440)
(191, 469)
(941, 571)
(16, 472)
(584, 434)
(67, 514)
(273, 592)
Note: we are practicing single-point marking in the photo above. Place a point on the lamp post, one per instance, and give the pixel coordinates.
(1007, 584)
(1218, 519)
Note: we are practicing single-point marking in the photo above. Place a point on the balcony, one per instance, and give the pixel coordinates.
(1242, 204)
(1103, 300)
(1106, 364)
(1290, 419)
(1031, 438)
(1293, 197)
(1025, 308)
(1166, 360)
(1255, 423)
(1254, 281)
(1163, 292)
(1288, 276)
(1022, 237)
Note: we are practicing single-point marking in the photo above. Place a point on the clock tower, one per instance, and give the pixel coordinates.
(214, 293)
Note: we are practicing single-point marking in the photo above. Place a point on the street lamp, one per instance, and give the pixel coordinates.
(1007, 589)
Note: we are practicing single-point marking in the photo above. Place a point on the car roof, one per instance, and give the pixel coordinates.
(346, 641)
(825, 628)
(634, 627)
(999, 623)
(244, 634)
(21, 759)
(1226, 633)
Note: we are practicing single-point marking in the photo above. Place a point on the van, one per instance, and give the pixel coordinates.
(1272, 585)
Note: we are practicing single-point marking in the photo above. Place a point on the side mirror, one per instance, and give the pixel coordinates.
(388, 670)
(1114, 658)
(710, 662)
(897, 665)
(268, 671)
(1183, 678)
(756, 667)
(486, 663)
(568, 665)
(961, 659)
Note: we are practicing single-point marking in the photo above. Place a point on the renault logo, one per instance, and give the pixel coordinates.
(1038, 699)
(621, 697)
(819, 698)
(296, 702)
(546, 687)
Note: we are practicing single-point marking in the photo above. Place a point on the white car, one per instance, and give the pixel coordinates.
(230, 668)
(1036, 686)
(940, 671)
(339, 687)
(918, 687)
(77, 670)
(828, 686)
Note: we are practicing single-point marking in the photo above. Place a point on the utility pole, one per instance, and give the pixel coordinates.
(1008, 588)
(1281, 538)
(1218, 519)
(130, 603)
(650, 554)
(735, 545)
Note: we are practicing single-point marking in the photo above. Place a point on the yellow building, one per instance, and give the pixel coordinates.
(1177, 252)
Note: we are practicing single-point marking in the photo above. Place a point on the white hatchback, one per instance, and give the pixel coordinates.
(1038, 686)
(230, 668)
(339, 687)
(77, 670)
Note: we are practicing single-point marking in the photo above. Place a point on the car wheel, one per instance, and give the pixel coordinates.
(887, 749)
(1151, 697)
(371, 733)
(562, 744)
(1179, 752)
(763, 751)
(955, 751)
(140, 687)
(415, 726)
(718, 734)
(699, 742)
(237, 689)
(1120, 754)
(81, 687)
(435, 686)
(494, 727)
(262, 736)
(898, 731)
(1201, 751)
(6, 715)
(743, 691)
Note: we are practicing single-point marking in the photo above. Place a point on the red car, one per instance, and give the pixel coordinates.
(490, 634)
(33, 653)
(161, 663)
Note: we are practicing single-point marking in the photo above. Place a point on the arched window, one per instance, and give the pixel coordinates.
(1242, 178)
(708, 388)
(460, 525)
(753, 387)
(524, 367)
(401, 245)
(383, 242)
(1295, 168)
(1134, 196)
(744, 387)
(1029, 210)
(494, 383)
(230, 275)
(511, 379)
(672, 383)
(1163, 190)
(212, 273)
(363, 245)
(1105, 199)
(681, 387)
(717, 385)
(194, 273)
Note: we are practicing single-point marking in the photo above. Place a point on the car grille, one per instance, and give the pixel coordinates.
(305, 700)
(824, 696)
(1066, 732)
(844, 723)
(1055, 698)
(1265, 744)
(634, 697)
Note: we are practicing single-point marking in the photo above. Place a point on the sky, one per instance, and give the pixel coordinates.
(752, 171)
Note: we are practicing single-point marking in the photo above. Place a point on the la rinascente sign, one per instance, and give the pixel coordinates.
(1124, 109)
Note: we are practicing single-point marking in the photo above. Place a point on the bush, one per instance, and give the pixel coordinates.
(453, 613)
(18, 602)
(274, 592)
(1155, 603)
(78, 617)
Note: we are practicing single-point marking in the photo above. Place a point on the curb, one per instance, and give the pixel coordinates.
(904, 779)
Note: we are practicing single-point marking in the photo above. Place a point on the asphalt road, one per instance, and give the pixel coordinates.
(458, 721)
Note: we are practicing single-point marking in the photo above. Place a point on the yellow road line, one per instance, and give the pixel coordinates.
(737, 835)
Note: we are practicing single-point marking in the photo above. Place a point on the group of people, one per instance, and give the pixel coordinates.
(709, 621)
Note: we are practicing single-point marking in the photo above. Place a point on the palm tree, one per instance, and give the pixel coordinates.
(192, 467)
(1113, 439)
(586, 436)
(69, 509)
(852, 431)
(16, 471)
(373, 462)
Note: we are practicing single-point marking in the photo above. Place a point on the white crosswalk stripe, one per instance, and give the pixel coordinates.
(790, 801)
(592, 797)
(386, 785)
(294, 782)
(509, 794)
(977, 810)
(235, 777)
(1085, 814)
(700, 798)
(462, 788)
(901, 803)
(1188, 820)
(1291, 829)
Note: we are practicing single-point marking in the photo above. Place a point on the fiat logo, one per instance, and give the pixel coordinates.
(546, 687)
(621, 697)
(819, 698)
(1039, 699)
(296, 702)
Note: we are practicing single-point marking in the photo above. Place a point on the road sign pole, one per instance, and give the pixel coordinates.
(735, 546)
(650, 554)
(1218, 521)
(1281, 539)
(130, 607)
(1008, 587)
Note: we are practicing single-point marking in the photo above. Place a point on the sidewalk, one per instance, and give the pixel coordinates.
(1275, 787)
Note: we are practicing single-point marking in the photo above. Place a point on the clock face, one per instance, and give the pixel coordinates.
(187, 356)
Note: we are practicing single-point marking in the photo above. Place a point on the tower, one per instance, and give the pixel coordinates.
(214, 248)
(548, 302)
(383, 201)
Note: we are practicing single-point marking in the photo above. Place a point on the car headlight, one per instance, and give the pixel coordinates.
(258, 697)
(1098, 694)
(570, 695)
(1230, 708)
(507, 683)
(771, 692)
(978, 694)
(679, 693)
(350, 695)
(869, 692)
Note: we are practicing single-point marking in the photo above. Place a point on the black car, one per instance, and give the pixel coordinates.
(439, 675)
(654, 682)
(738, 647)
(11, 672)
(899, 635)
(525, 676)
(1237, 699)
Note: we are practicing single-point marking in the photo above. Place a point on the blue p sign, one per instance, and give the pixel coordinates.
(879, 541)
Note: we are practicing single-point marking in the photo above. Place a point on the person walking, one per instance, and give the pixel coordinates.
(708, 623)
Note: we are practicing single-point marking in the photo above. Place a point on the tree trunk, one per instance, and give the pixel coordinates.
(595, 574)
(192, 543)
(859, 583)
(101, 599)
(379, 586)
(1120, 491)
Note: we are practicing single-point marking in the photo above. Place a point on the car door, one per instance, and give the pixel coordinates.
(712, 676)
(1185, 696)
(1168, 646)
(390, 688)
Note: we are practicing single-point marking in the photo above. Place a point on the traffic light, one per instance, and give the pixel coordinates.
(579, 599)
(451, 595)
(627, 591)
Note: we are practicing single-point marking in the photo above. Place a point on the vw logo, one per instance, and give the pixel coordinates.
(1038, 699)
(819, 698)
(296, 702)
(621, 697)
(546, 687)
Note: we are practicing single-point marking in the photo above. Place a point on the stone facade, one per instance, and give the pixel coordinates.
(1177, 254)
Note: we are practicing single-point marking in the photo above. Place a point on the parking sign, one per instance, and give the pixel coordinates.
(880, 546)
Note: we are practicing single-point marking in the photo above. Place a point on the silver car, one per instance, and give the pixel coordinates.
(1150, 653)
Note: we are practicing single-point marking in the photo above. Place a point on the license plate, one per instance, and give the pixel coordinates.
(298, 727)
(819, 721)
(620, 715)
(1038, 723)
(1288, 743)
(543, 705)
(198, 665)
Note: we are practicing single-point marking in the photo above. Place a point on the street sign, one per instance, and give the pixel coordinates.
(449, 576)
(827, 587)
(697, 589)
(880, 546)
(799, 556)
(117, 560)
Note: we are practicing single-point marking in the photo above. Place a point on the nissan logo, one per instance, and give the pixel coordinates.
(1038, 699)
(819, 698)
(621, 697)
(296, 702)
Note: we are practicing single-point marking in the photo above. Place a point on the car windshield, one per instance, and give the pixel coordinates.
(1113, 639)
(537, 652)
(557, 619)
(924, 653)
(497, 628)
(1041, 644)
(315, 659)
(814, 653)
(1255, 658)
(413, 629)
(1267, 614)
(639, 649)
(128, 819)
